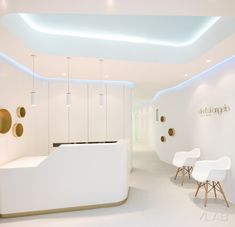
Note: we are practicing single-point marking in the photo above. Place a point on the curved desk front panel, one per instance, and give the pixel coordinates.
(73, 176)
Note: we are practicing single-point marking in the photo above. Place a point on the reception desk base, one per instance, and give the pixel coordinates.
(61, 210)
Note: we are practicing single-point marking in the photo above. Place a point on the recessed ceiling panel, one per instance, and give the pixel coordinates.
(163, 39)
(154, 30)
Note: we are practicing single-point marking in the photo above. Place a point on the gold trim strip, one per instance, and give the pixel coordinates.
(60, 210)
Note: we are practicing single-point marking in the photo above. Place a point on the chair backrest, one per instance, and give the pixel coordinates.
(186, 158)
(223, 163)
(196, 152)
(192, 157)
(219, 169)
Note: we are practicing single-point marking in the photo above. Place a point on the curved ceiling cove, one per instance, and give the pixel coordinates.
(29, 72)
(172, 31)
(198, 77)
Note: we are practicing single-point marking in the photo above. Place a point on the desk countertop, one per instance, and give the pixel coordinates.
(31, 161)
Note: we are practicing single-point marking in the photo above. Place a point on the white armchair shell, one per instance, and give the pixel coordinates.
(211, 173)
(184, 161)
(186, 158)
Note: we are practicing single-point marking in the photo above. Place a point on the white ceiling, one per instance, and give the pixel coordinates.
(150, 68)
(123, 7)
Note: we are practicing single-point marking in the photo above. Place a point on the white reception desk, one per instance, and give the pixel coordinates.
(73, 177)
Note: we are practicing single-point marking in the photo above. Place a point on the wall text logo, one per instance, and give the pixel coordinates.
(209, 111)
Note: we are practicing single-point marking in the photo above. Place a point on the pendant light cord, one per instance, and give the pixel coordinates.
(101, 69)
(68, 74)
(33, 57)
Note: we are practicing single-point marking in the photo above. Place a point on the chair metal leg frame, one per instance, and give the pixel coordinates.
(215, 186)
(184, 170)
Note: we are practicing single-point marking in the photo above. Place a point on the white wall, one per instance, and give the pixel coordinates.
(143, 127)
(51, 121)
(58, 113)
(85, 119)
(213, 134)
(97, 123)
(78, 113)
(15, 88)
(115, 112)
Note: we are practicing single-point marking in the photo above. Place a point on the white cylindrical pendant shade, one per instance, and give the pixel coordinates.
(33, 98)
(68, 99)
(101, 100)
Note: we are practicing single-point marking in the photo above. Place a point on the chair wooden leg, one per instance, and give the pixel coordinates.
(177, 172)
(222, 192)
(184, 170)
(214, 188)
(198, 187)
(182, 182)
(188, 170)
(206, 193)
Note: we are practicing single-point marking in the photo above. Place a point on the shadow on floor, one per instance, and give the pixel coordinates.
(214, 205)
(188, 183)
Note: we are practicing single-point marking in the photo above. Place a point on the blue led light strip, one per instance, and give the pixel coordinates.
(198, 76)
(28, 71)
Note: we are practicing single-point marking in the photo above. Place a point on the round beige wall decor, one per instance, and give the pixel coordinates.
(21, 112)
(163, 139)
(5, 121)
(162, 118)
(18, 130)
(171, 132)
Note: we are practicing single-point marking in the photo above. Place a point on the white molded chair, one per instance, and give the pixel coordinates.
(211, 173)
(184, 161)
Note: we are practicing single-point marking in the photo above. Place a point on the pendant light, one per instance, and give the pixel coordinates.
(33, 92)
(68, 94)
(101, 94)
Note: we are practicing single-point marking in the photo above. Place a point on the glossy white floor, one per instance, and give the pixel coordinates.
(155, 199)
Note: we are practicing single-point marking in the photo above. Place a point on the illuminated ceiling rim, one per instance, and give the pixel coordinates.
(29, 72)
(114, 37)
